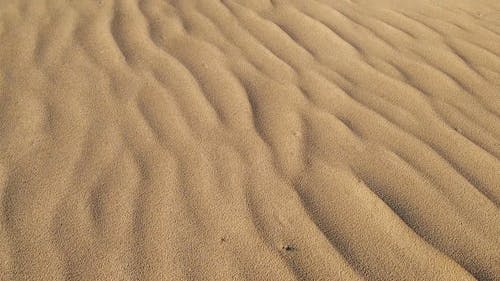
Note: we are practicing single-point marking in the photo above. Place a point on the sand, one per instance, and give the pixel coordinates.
(249, 140)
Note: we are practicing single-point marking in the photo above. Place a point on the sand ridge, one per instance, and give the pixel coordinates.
(249, 140)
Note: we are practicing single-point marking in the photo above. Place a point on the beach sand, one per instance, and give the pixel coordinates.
(249, 140)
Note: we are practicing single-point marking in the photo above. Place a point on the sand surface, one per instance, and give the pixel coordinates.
(249, 140)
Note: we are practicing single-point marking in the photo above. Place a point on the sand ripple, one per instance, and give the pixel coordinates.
(249, 140)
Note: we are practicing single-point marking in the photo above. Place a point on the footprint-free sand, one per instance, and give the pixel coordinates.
(249, 140)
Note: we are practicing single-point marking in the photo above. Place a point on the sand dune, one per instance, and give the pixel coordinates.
(249, 140)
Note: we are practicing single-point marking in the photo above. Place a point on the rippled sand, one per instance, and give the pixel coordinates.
(249, 140)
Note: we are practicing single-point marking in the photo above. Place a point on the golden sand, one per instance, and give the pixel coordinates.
(249, 140)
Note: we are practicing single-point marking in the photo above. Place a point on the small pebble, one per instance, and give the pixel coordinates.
(289, 248)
